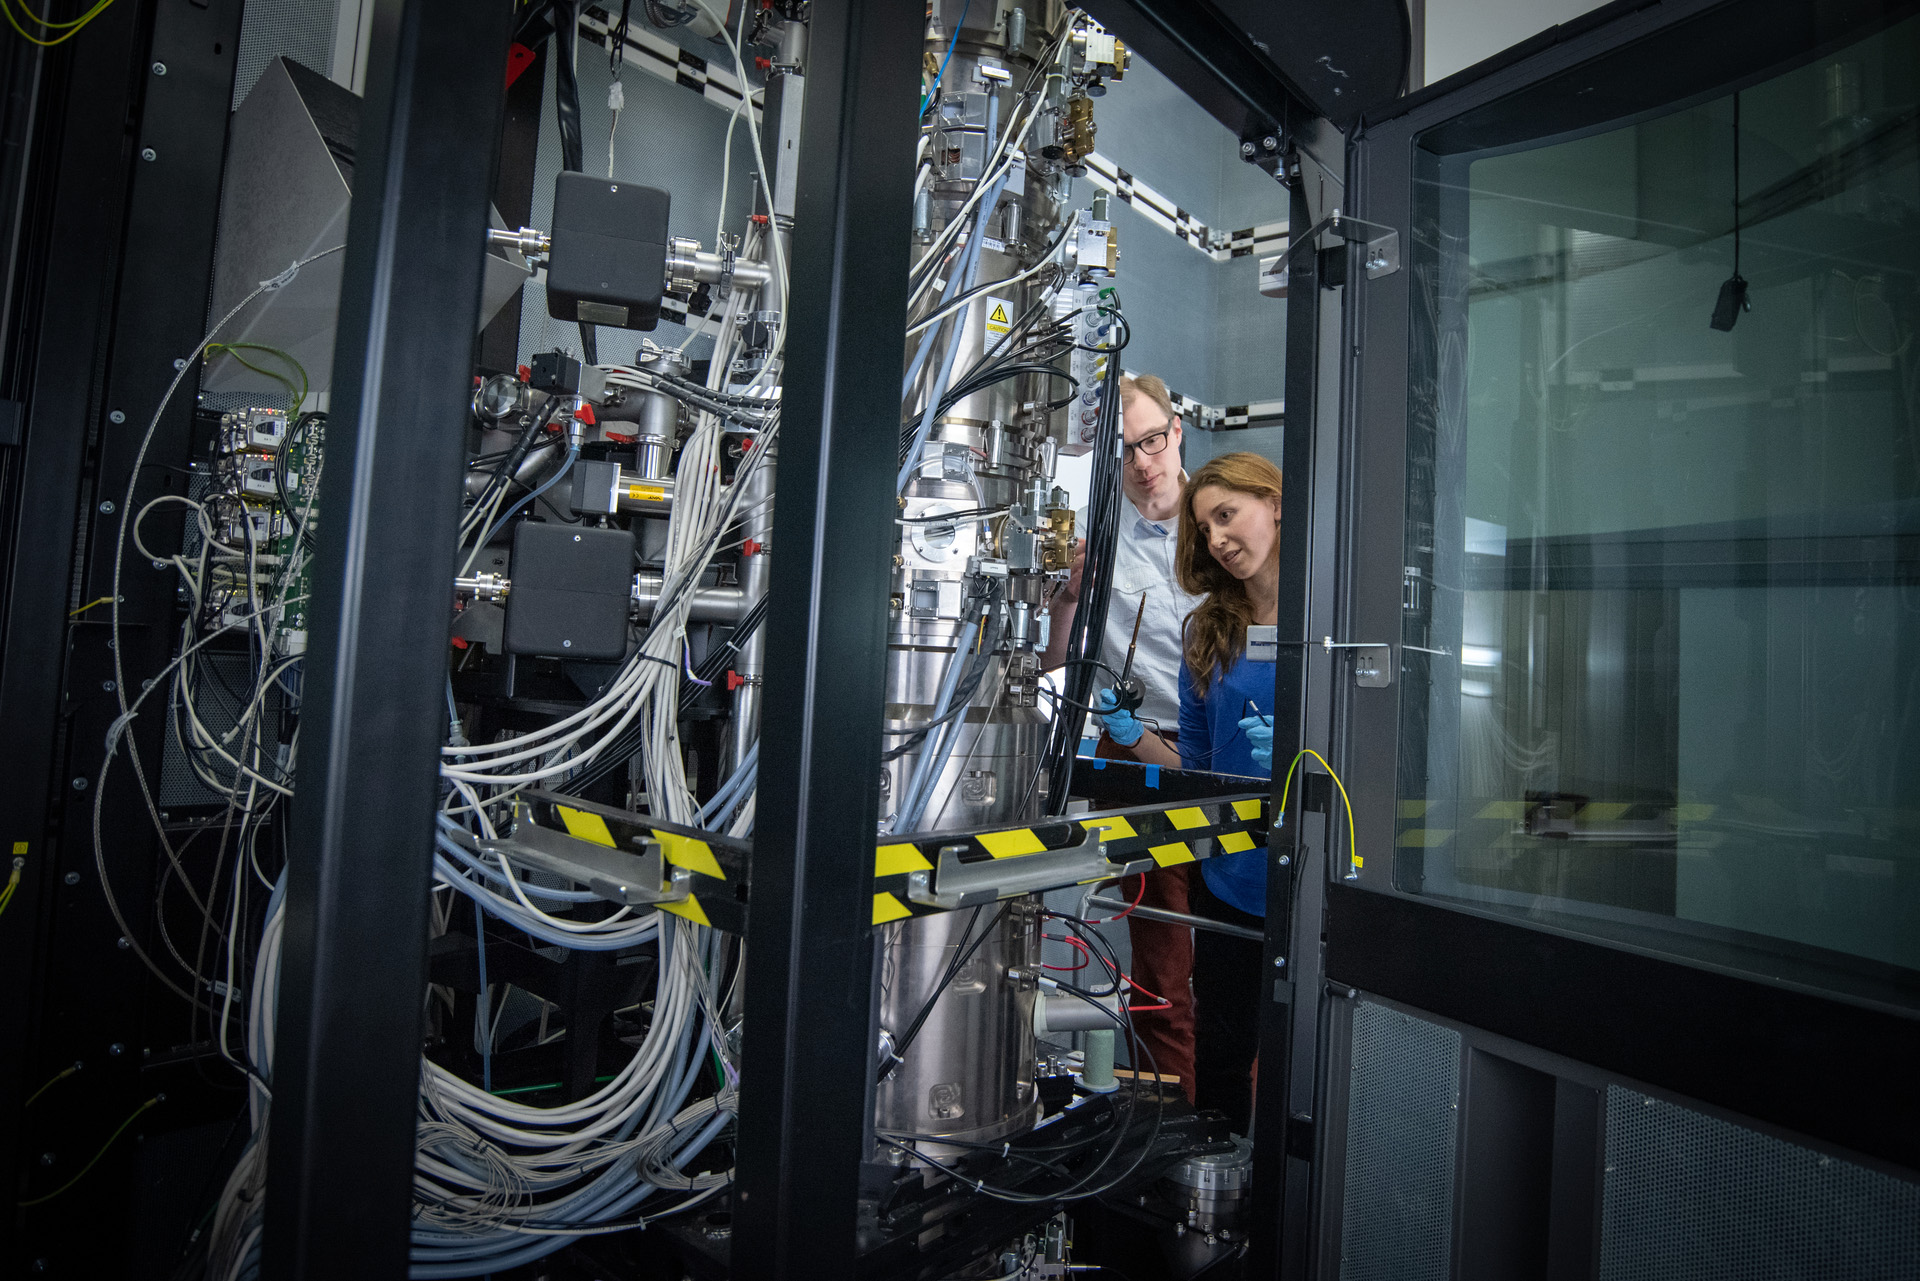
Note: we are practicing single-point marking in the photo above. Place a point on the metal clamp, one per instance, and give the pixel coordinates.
(954, 884)
(633, 880)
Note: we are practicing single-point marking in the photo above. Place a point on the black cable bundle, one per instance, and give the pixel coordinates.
(1090, 620)
(566, 30)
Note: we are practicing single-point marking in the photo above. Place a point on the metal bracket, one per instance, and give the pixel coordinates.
(1372, 661)
(956, 884)
(633, 880)
(1382, 243)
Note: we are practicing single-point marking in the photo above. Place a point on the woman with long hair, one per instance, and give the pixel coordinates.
(1228, 550)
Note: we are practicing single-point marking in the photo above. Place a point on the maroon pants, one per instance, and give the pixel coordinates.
(1162, 962)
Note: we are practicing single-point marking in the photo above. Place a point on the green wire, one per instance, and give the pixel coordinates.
(41, 1200)
(298, 396)
(553, 1085)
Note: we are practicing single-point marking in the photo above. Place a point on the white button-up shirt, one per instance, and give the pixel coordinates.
(1143, 564)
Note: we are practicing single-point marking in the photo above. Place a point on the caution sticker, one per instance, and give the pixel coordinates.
(999, 317)
(646, 494)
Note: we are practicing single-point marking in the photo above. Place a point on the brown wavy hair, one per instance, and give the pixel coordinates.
(1216, 631)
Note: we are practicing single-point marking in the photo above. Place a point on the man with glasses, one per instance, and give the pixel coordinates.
(1151, 478)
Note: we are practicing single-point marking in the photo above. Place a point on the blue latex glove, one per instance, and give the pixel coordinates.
(1122, 727)
(1260, 735)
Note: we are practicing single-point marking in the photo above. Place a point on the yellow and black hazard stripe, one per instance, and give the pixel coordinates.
(717, 895)
(1168, 834)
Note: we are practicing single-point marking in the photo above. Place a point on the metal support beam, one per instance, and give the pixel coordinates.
(346, 1071)
(1285, 1113)
(808, 1054)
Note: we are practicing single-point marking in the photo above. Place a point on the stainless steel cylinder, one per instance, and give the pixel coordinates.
(717, 604)
(968, 1074)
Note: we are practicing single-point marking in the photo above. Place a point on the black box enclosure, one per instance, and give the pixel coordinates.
(608, 264)
(571, 590)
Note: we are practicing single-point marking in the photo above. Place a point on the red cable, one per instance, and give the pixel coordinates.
(1137, 896)
(1143, 991)
(1077, 943)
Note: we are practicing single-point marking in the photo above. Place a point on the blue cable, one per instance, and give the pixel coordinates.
(941, 74)
(486, 1001)
(573, 452)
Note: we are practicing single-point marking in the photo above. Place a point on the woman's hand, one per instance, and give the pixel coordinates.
(1259, 734)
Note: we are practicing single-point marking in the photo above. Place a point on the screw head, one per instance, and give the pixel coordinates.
(149, 154)
(576, 538)
(1246, 150)
(72, 878)
(46, 1158)
(1285, 859)
(115, 416)
(79, 784)
(159, 564)
(159, 68)
(106, 508)
(179, 362)
(1279, 962)
(117, 1049)
(566, 644)
(108, 686)
(122, 943)
(1270, 142)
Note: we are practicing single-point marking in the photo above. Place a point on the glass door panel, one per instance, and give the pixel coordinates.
(1675, 566)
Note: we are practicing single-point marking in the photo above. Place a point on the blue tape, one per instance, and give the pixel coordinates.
(1099, 762)
(1153, 776)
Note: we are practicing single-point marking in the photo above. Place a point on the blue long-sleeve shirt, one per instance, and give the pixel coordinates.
(1211, 739)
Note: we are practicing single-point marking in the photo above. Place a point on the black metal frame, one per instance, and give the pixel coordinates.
(1727, 1024)
(347, 1063)
(112, 182)
(806, 1068)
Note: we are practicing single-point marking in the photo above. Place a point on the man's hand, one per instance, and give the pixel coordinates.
(1122, 727)
(1070, 594)
(1061, 607)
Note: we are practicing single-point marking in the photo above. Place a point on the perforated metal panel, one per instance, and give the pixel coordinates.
(225, 681)
(1401, 1115)
(301, 29)
(1692, 1198)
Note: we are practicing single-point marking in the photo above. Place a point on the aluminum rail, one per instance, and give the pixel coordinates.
(1175, 918)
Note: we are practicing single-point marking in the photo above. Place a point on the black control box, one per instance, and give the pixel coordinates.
(571, 590)
(608, 263)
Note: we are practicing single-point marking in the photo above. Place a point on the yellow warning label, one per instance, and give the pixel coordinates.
(888, 908)
(586, 827)
(645, 494)
(689, 908)
(1011, 844)
(891, 860)
(694, 855)
(999, 317)
(1168, 855)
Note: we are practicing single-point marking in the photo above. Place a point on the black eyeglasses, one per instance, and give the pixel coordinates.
(1150, 444)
